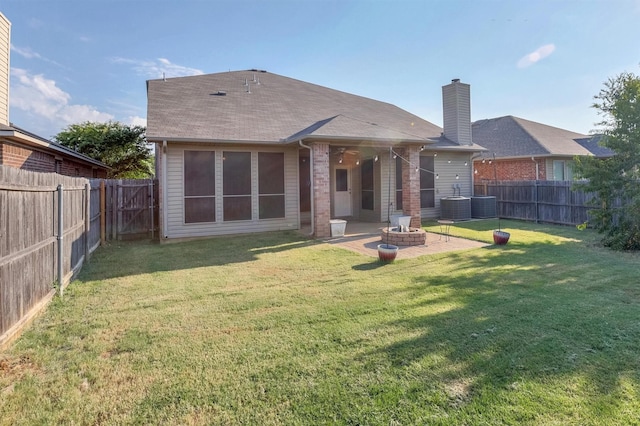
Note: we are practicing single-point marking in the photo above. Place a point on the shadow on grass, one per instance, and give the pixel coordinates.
(525, 313)
(144, 257)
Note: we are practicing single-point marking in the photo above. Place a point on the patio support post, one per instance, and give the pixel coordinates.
(411, 186)
(321, 190)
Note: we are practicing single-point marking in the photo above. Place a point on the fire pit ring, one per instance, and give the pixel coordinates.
(414, 237)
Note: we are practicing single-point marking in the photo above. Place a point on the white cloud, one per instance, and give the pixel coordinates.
(155, 69)
(535, 56)
(25, 52)
(40, 96)
(28, 53)
(134, 120)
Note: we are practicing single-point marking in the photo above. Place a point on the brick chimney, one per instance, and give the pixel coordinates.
(456, 106)
(5, 46)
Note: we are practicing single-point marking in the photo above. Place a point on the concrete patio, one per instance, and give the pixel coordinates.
(364, 237)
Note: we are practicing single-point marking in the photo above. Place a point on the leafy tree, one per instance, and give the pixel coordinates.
(119, 146)
(615, 181)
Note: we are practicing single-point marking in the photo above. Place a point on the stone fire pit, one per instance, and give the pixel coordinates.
(414, 237)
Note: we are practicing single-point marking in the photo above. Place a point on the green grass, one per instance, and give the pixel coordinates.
(276, 329)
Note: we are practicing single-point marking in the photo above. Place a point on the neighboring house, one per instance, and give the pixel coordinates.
(24, 150)
(526, 150)
(251, 151)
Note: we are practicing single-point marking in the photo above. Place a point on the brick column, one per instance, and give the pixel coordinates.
(411, 186)
(321, 190)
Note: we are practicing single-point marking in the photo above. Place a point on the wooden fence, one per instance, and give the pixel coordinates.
(539, 201)
(49, 226)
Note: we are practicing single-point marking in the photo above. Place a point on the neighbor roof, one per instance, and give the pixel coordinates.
(17, 134)
(516, 137)
(256, 106)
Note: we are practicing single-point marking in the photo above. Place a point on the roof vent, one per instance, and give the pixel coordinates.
(220, 93)
(455, 80)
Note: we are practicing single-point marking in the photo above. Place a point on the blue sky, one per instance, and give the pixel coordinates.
(544, 60)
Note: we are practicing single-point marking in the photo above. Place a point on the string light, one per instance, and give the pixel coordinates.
(466, 163)
(457, 176)
(376, 158)
(358, 162)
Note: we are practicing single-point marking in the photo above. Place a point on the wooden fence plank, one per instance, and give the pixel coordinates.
(541, 201)
(28, 231)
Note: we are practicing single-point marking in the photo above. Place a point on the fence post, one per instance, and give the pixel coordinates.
(60, 239)
(114, 209)
(87, 220)
(103, 213)
(535, 188)
(151, 206)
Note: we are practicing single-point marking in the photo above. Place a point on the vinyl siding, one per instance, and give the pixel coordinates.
(176, 228)
(456, 101)
(447, 178)
(5, 42)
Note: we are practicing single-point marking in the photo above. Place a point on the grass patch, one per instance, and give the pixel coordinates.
(276, 329)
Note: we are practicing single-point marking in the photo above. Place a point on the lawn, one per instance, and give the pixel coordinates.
(278, 329)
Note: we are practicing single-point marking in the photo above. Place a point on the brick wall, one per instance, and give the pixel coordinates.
(411, 186)
(37, 161)
(321, 190)
(518, 169)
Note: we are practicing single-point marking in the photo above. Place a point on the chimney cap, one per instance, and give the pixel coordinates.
(455, 80)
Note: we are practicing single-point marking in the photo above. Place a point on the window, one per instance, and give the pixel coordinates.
(366, 170)
(562, 170)
(236, 185)
(399, 183)
(271, 184)
(558, 170)
(199, 186)
(427, 182)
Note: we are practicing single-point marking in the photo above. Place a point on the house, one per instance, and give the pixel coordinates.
(24, 150)
(526, 150)
(252, 151)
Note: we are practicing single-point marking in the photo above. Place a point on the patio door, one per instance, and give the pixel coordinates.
(342, 192)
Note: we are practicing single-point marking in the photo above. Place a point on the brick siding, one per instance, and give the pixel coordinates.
(38, 161)
(517, 169)
(411, 186)
(321, 190)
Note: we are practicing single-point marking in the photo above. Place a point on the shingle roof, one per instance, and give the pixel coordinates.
(592, 143)
(274, 109)
(516, 137)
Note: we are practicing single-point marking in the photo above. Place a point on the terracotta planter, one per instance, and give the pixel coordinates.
(387, 252)
(500, 238)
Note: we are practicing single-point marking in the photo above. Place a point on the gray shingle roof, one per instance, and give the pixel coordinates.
(592, 143)
(516, 137)
(272, 109)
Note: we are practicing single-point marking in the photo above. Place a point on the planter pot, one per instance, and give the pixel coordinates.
(387, 252)
(500, 237)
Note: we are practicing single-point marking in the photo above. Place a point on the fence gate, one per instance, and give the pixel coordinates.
(131, 210)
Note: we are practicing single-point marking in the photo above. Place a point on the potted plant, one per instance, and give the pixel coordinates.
(500, 237)
(388, 252)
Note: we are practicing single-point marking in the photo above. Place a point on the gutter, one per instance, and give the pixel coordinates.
(311, 190)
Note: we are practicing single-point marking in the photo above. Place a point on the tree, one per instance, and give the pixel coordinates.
(119, 146)
(615, 181)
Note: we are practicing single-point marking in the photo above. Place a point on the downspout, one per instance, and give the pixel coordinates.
(311, 190)
(165, 220)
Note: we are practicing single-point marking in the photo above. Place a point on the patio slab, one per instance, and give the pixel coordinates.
(367, 244)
